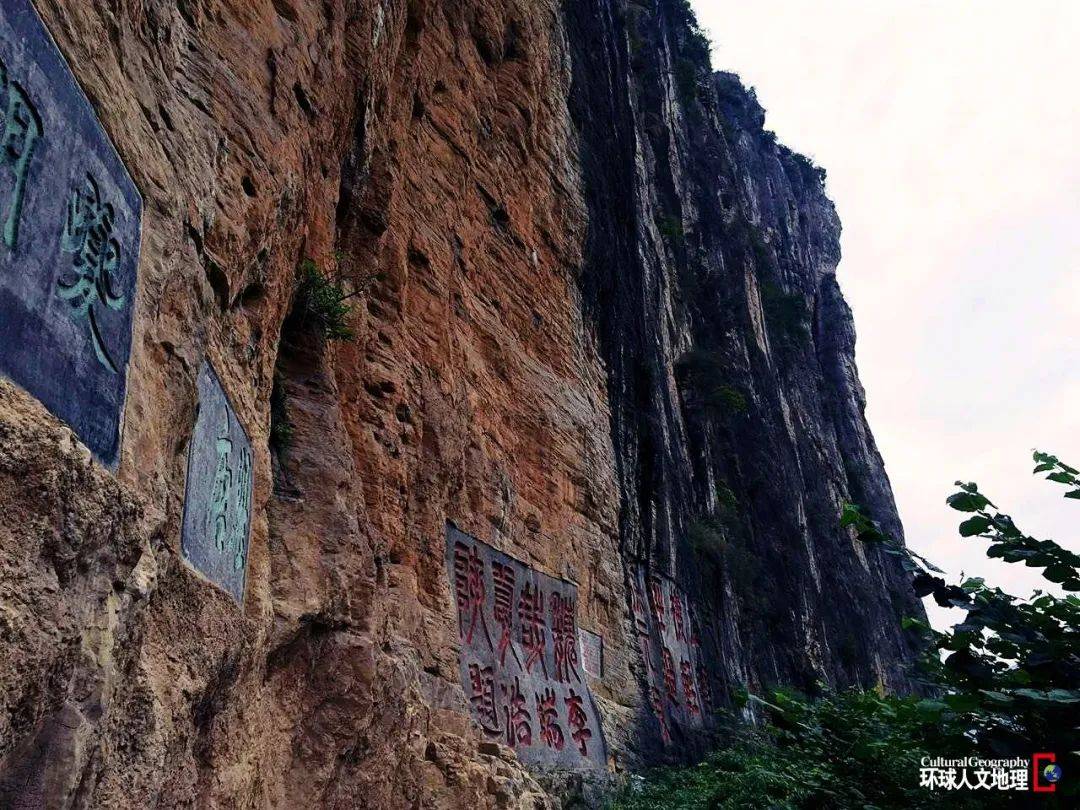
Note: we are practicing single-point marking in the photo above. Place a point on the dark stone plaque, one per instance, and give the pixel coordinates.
(669, 634)
(69, 239)
(520, 666)
(217, 497)
(592, 652)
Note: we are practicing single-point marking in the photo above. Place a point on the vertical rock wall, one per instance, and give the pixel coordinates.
(596, 327)
(737, 414)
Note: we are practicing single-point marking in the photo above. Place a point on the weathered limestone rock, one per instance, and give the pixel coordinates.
(562, 273)
(737, 414)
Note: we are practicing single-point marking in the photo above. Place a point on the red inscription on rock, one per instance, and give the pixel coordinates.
(469, 584)
(547, 714)
(508, 640)
(533, 633)
(677, 616)
(689, 689)
(504, 578)
(670, 683)
(482, 698)
(518, 719)
(704, 689)
(564, 635)
(579, 721)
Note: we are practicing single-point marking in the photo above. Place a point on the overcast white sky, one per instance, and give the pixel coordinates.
(950, 131)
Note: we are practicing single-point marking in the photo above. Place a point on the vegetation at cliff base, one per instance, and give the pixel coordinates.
(852, 749)
(1004, 682)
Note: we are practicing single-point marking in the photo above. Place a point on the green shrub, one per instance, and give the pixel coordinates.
(716, 538)
(686, 81)
(764, 259)
(1010, 671)
(697, 45)
(730, 398)
(726, 499)
(704, 373)
(670, 228)
(786, 315)
(706, 536)
(1004, 682)
(320, 304)
(843, 750)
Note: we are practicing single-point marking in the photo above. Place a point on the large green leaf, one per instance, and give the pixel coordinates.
(967, 501)
(974, 525)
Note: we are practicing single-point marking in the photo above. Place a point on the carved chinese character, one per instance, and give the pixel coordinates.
(689, 689)
(88, 233)
(677, 616)
(230, 514)
(504, 577)
(564, 636)
(219, 496)
(482, 698)
(656, 593)
(22, 129)
(670, 684)
(657, 704)
(579, 721)
(547, 714)
(471, 592)
(518, 719)
(237, 543)
(533, 634)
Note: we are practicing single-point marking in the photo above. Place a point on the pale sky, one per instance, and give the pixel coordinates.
(950, 131)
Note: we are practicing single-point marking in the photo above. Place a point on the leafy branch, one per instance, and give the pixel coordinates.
(1011, 666)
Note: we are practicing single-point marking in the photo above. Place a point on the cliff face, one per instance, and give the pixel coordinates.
(597, 330)
(737, 414)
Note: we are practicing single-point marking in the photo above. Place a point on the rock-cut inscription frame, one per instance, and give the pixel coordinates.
(217, 496)
(520, 665)
(70, 219)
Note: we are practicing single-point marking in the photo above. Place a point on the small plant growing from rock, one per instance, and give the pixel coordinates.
(764, 258)
(715, 538)
(686, 81)
(320, 303)
(670, 228)
(786, 315)
(704, 374)
(697, 45)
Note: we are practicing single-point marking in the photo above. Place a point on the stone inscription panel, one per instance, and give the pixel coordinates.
(520, 665)
(592, 652)
(669, 634)
(217, 498)
(69, 239)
